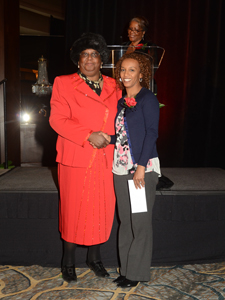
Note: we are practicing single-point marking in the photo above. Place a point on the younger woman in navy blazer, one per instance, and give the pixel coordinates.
(135, 158)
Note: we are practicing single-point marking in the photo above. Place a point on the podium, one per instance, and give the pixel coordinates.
(154, 53)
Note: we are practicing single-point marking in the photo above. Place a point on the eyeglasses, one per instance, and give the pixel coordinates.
(136, 31)
(86, 54)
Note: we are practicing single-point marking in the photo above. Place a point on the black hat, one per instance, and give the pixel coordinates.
(89, 41)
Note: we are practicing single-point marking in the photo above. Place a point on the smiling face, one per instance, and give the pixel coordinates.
(89, 63)
(135, 32)
(130, 74)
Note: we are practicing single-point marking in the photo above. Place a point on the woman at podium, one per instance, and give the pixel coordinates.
(138, 26)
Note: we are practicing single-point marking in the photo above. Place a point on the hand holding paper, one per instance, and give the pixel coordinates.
(139, 177)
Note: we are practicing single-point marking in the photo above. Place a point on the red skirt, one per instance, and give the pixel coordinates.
(87, 202)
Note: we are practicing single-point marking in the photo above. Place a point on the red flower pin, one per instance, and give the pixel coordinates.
(139, 46)
(130, 102)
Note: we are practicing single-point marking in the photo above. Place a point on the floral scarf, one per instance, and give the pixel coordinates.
(93, 84)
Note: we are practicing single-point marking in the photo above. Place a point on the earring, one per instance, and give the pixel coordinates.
(120, 79)
(140, 79)
(78, 66)
(101, 65)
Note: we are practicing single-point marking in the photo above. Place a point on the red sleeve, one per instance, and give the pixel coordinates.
(60, 116)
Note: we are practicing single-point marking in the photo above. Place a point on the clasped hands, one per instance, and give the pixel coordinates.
(99, 139)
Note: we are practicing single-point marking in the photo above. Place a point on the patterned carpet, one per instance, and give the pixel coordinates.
(205, 281)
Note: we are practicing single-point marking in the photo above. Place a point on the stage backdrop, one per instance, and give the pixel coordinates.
(191, 78)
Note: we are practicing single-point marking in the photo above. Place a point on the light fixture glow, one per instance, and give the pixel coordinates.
(26, 117)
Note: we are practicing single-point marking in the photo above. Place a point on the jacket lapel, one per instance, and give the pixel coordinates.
(81, 87)
(107, 90)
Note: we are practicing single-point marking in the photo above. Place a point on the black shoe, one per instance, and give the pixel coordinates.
(69, 273)
(127, 283)
(98, 268)
(119, 279)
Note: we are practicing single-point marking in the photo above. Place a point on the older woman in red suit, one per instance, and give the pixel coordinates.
(82, 105)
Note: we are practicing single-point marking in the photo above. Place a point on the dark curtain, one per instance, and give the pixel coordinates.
(191, 77)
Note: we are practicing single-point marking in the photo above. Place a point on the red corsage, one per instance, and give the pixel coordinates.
(130, 102)
(141, 46)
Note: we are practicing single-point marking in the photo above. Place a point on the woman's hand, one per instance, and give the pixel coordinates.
(106, 136)
(97, 140)
(139, 177)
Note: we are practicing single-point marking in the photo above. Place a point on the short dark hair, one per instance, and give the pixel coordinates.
(142, 21)
(89, 41)
(145, 67)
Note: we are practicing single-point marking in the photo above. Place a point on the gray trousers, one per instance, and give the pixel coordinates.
(135, 231)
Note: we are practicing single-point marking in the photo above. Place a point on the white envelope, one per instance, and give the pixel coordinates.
(137, 198)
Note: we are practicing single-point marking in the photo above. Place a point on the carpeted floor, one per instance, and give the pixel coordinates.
(206, 281)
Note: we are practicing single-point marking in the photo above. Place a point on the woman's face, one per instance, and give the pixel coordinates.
(135, 32)
(90, 63)
(130, 73)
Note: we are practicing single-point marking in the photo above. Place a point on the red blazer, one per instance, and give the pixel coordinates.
(76, 112)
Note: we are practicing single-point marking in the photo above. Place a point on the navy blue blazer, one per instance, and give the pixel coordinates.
(142, 125)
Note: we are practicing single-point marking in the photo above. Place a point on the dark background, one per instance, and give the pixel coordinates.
(190, 79)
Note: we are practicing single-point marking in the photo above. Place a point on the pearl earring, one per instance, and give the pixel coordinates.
(78, 66)
(101, 65)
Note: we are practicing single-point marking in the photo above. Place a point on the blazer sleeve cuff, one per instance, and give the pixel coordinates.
(113, 139)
